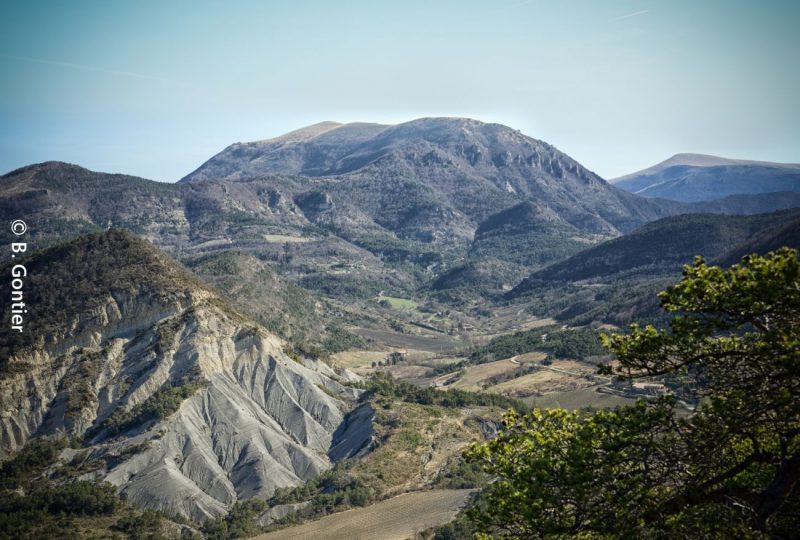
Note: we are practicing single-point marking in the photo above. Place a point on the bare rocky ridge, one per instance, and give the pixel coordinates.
(468, 168)
(247, 418)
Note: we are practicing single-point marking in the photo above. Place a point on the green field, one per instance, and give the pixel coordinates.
(401, 303)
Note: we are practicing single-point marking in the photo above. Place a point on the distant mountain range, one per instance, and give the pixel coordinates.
(698, 177)
(448, 196)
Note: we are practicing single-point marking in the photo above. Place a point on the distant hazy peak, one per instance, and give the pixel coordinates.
(701, 160)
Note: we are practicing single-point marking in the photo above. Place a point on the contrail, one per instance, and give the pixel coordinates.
(84, 67)
(629, 15)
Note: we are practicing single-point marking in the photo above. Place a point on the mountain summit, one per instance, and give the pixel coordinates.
(461, 166)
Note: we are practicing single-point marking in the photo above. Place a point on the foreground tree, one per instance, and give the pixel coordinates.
(727, 469)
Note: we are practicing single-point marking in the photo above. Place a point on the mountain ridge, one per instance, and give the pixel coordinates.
(477, 168)
(697, 177)
(699, 160)
(667, 243)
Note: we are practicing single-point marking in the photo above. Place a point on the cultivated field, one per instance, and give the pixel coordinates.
(397, 518)
(560, 376)
(508, 320)
(401, 303)
(358, 361)
(437, 343)
(473, 376)
(579, 399)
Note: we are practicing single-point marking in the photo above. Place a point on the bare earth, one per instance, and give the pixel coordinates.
(285, 238)
(397, 518)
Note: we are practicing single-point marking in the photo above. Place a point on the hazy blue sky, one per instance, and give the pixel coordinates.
(155, 88)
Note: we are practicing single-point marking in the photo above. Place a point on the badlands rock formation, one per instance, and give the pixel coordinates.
(185, 405)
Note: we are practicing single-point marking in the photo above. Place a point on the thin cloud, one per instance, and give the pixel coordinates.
(84, 67)
(629, 15)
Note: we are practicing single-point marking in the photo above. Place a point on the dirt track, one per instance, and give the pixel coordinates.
(397, 518)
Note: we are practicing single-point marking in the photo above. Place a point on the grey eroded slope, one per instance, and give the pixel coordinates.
(249, 418)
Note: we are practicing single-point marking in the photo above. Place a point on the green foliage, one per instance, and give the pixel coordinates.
(48, 510)
(40, 498)
(383, 385)
(461, 528)
(121, 264)
(343, 286)
(728, 470)
(241, 521)
(340, 339)
(520, 235)
(450, 367)
(331, 491)
(663, 246)
(569, 343)
(258, 291)
(460, 474)
(482, 277)
(164, 401)
(37, 454)
(619, 279)
(144, 526)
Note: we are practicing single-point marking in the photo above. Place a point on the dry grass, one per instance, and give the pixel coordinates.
(473, 377)
(405, 372)
(417, 442)
(283, 238)
(561, 376)
(358, 361)
(393, 519)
